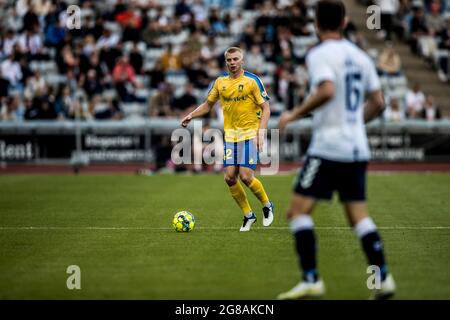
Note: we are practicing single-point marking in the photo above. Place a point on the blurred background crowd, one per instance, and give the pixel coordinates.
(133, 59)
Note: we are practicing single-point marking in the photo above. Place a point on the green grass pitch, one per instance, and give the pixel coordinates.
(117, 229)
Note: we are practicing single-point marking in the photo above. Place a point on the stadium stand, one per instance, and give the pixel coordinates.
(115, 66)
(419, 32)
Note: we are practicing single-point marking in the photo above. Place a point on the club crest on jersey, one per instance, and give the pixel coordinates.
(241, 87)
(224, 88)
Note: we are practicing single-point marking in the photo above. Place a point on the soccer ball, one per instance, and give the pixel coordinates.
(183, 221)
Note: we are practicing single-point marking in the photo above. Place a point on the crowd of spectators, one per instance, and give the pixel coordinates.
(144, 58)
(423, 24)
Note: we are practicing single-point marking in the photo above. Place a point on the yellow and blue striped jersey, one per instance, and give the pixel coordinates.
(241, 101)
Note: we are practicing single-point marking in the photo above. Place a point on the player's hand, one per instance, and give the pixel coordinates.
(186, 121)
(285, 118)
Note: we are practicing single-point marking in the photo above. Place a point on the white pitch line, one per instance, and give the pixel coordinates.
(217, 228)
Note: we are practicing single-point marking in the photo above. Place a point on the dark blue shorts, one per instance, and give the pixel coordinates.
(319, 178)
(243, 154)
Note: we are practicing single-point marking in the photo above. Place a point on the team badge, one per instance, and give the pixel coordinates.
(241, 87)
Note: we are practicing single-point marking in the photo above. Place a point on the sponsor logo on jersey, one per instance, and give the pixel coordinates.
(234, 99)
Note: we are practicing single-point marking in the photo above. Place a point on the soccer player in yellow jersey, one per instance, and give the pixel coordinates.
(246, 113)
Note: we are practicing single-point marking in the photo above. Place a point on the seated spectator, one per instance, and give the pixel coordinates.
(422, 37)
(430, 112)
(186, 103)
(389, 9)
(25, 69)
(197, 75)
(79, 109)
(444, 35)
(35, 84)
(110, 111)
(30, 18)
(100, 68)
(132, 31)
(170, 61)
(152, 34)
(10, 109)
(434, 19)
(45, 107)
(54, 37)
(444, 44)
(65, 59)
(124, 79)
(11, 71)
(210, 50)
(181, 9)
(91, 83)
(254, 60)
(64, 101)
(389, 62)
(192, 49)
(136, 59)
(9, 40)
(394, 112)
(98, 28)
(30, 44)
(218, 27)
(285, 82)
(160, 103)
(109, 55)
(415, 100)
(89, 46)
(14, 20)
(108, 39)
(157, 76)
(237, 24)
(212, 69)
(31, 110)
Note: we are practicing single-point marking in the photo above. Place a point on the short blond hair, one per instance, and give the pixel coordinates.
(232, 50)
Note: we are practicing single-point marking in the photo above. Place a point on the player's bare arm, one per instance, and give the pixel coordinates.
(201, 110)
(263, 125)
(374, 105)
(325, 92)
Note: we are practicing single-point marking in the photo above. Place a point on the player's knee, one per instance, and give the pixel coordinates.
(292, 214)
(230, 180)
(246, 178)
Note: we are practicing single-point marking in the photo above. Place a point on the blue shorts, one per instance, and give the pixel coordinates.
(319, 178)
(242, 153)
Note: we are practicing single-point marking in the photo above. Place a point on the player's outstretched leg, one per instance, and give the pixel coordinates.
(372, 245)
(257, 188)
(311, 286)
(373, 248)
(302, 228)
(238, 194)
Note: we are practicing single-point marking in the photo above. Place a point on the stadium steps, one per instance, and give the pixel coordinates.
(415, 68)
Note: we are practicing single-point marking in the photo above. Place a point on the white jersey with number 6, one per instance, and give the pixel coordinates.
(338, 126)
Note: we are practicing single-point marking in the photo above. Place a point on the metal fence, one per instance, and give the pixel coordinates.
(138, 140)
